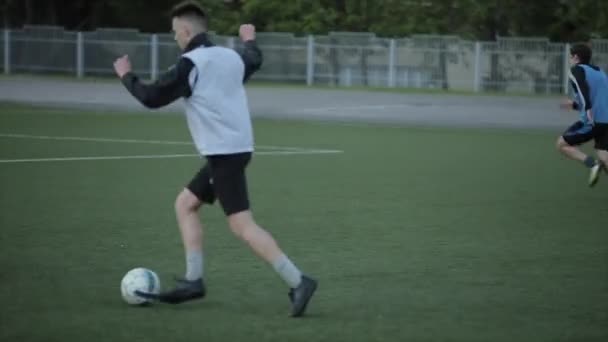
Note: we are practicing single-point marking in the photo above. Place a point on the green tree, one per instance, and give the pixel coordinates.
(560, 20)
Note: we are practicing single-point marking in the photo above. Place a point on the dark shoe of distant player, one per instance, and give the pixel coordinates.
(594, 174)
(185, 290)
(301, 295)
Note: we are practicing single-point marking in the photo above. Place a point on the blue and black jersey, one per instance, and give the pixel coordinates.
(590, 84)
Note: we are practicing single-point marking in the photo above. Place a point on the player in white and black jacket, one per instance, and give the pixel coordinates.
(210, 80)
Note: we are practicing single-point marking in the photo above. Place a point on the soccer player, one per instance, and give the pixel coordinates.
(591, 92)
(210, 80)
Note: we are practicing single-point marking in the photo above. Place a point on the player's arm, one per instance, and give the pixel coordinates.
(251, 54)
(252, 58)
(170, 86)
(579, 83)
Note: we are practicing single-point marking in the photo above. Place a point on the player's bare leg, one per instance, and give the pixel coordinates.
(187, 206)
(571, 152)
(191, 286)
(574, 153)
(603, 156)
(264, 245)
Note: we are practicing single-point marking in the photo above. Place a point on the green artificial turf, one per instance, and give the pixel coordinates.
(415, 234)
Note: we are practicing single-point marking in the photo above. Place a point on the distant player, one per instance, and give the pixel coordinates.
(210, 80)
(590, 87)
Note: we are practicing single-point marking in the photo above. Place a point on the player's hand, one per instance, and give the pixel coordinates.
(566, 104)
(122, 66)
(247, 32)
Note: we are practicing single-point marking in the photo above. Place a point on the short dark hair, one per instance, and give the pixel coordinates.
(583, 51)
(190, 10)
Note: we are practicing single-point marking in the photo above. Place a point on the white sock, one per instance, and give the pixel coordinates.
(194, 265)
(288, 271)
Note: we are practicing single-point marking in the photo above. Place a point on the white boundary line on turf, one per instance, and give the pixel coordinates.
(156, 156)
(37, 160)
(159, 142)
(130, 141)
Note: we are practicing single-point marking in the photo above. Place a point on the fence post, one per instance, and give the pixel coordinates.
(566, 67)
(348, 77)
(231, 43)
(7, 51)
(153, 57)
(310, 61)
(79, 55)
(477, 68)
(391, 63)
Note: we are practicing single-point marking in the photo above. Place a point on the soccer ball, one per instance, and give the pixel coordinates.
(141, 279)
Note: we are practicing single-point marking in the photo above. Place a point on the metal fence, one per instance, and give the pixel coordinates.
(523, 65)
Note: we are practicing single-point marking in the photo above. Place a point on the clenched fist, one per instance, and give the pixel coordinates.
(247, 32)
(122, 66)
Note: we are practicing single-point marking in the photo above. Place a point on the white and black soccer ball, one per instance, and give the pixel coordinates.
(141, 279)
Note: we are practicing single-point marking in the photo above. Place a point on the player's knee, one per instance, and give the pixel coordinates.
(186, 202)
(603, 156)
(242, 224)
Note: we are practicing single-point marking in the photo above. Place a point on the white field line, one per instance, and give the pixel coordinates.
(60, 159)
(158, 142)
(156, 156)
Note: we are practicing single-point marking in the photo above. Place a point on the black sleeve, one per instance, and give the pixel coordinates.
(169, 87)
(252, 57)
(579, 83)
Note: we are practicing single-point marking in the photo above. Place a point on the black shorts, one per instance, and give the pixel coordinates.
(578, 134)
(223, 177)
(600, 134)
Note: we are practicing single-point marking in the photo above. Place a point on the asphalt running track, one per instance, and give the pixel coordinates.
(347, 106)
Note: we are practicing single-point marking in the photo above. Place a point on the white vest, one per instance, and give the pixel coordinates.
(217, 111)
